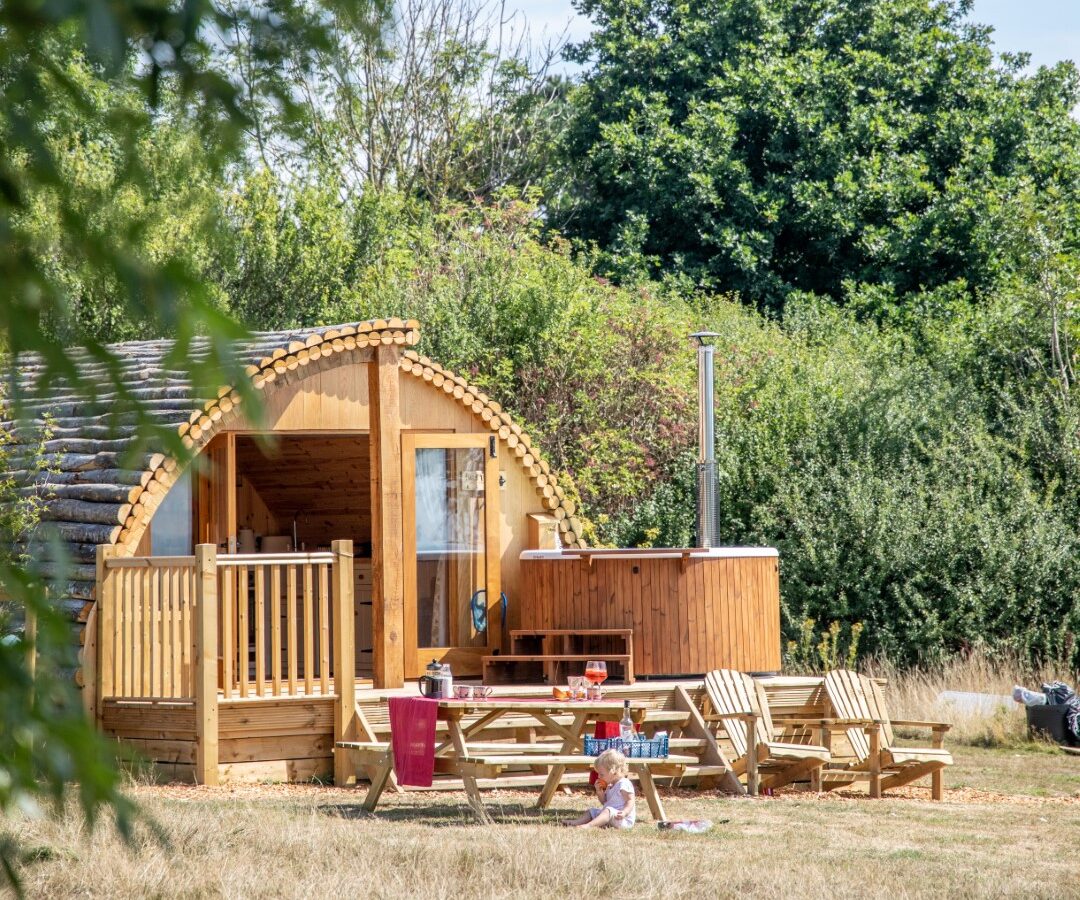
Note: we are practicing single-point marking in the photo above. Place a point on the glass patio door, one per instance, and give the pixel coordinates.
(450, 519)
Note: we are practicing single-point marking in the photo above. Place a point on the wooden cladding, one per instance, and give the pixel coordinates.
(690, 613)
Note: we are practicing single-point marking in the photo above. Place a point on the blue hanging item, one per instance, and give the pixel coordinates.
(478, 607)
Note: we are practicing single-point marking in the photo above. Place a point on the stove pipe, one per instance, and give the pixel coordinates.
(707, 525)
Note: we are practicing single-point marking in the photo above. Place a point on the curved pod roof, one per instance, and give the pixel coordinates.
(95, 496)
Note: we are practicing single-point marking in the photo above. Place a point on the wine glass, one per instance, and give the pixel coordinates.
(596, 672)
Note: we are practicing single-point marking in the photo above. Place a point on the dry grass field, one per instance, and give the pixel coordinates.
(1007, 828)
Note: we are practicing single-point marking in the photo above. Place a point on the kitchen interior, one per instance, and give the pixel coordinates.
(299, 493)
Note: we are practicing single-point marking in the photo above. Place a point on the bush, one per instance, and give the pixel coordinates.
(914, 477)
(602, 375)
(895, 500)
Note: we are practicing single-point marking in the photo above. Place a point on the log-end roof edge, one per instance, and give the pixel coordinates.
(91, 497)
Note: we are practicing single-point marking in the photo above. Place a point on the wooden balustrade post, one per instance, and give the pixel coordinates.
(105, 592)
(206, 674)
(344, 659)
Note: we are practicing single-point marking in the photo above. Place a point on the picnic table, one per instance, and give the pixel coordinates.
(470, 760)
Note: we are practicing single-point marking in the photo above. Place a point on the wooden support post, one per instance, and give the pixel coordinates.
(751, 755)
(937, 785)
(105, 675)
(206, 642)
(817, 776)
(388, 589)
(344, 659)
(875, 760)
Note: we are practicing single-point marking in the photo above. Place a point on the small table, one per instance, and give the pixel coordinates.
(454, 756)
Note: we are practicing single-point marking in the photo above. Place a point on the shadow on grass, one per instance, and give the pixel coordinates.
(442, 815)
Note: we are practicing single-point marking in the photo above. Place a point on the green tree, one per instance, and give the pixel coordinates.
(772, 146)
(450, 100)
(603, 375)
(57, 115)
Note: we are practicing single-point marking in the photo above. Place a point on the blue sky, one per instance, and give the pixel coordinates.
(1047, 29)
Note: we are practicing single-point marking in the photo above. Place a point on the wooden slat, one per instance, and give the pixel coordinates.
(243, 629)
(174, 631)
(324, 628)
(166, 600)
(187, 640)
(260, 632)
(275, 627)
(150, 562)
(309, 629)
(226, 579)
(849, 702)
(291, 636)
(280, 559)
(145, 633)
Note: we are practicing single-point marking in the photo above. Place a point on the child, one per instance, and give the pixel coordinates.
(614, 791)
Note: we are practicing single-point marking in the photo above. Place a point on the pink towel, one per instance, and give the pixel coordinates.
(412, 737)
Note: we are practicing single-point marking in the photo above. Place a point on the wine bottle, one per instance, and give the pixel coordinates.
(626, 726)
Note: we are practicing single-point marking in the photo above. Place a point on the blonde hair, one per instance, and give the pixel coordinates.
(613, 763)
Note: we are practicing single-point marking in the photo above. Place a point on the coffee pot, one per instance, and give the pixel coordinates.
(438, 682)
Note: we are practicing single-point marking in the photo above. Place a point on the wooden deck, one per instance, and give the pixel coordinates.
(224, 667)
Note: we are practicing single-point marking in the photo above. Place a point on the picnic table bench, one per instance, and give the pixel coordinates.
(476, 760)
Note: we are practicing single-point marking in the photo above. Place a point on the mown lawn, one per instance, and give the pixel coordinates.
(301, 841)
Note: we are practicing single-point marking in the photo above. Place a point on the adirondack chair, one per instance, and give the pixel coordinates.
(739, 705)
(875, 757)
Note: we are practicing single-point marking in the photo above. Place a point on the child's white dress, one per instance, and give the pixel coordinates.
(614, 801)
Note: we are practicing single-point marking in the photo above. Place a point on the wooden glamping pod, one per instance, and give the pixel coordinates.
(377, 491)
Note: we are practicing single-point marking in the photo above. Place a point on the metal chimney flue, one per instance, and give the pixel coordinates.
(707, 524)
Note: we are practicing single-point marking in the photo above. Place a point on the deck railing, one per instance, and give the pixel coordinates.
(147, 614)
(188, 628)
(277, 624)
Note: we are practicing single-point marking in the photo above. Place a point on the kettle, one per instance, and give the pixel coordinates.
(438, 683)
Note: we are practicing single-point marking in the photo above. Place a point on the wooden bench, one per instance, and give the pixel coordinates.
(671, 707)
(548, 651)
(479, 764)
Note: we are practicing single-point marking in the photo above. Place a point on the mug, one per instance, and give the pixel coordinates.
(481, 692)
(463, 692)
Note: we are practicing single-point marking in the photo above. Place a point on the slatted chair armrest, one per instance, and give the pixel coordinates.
(657, 716)
(740, 717)
(841, 723)
(919, 723)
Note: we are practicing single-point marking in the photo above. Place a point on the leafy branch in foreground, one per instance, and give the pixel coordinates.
(59, 63)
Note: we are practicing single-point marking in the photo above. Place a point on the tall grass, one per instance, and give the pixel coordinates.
(914, 693)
